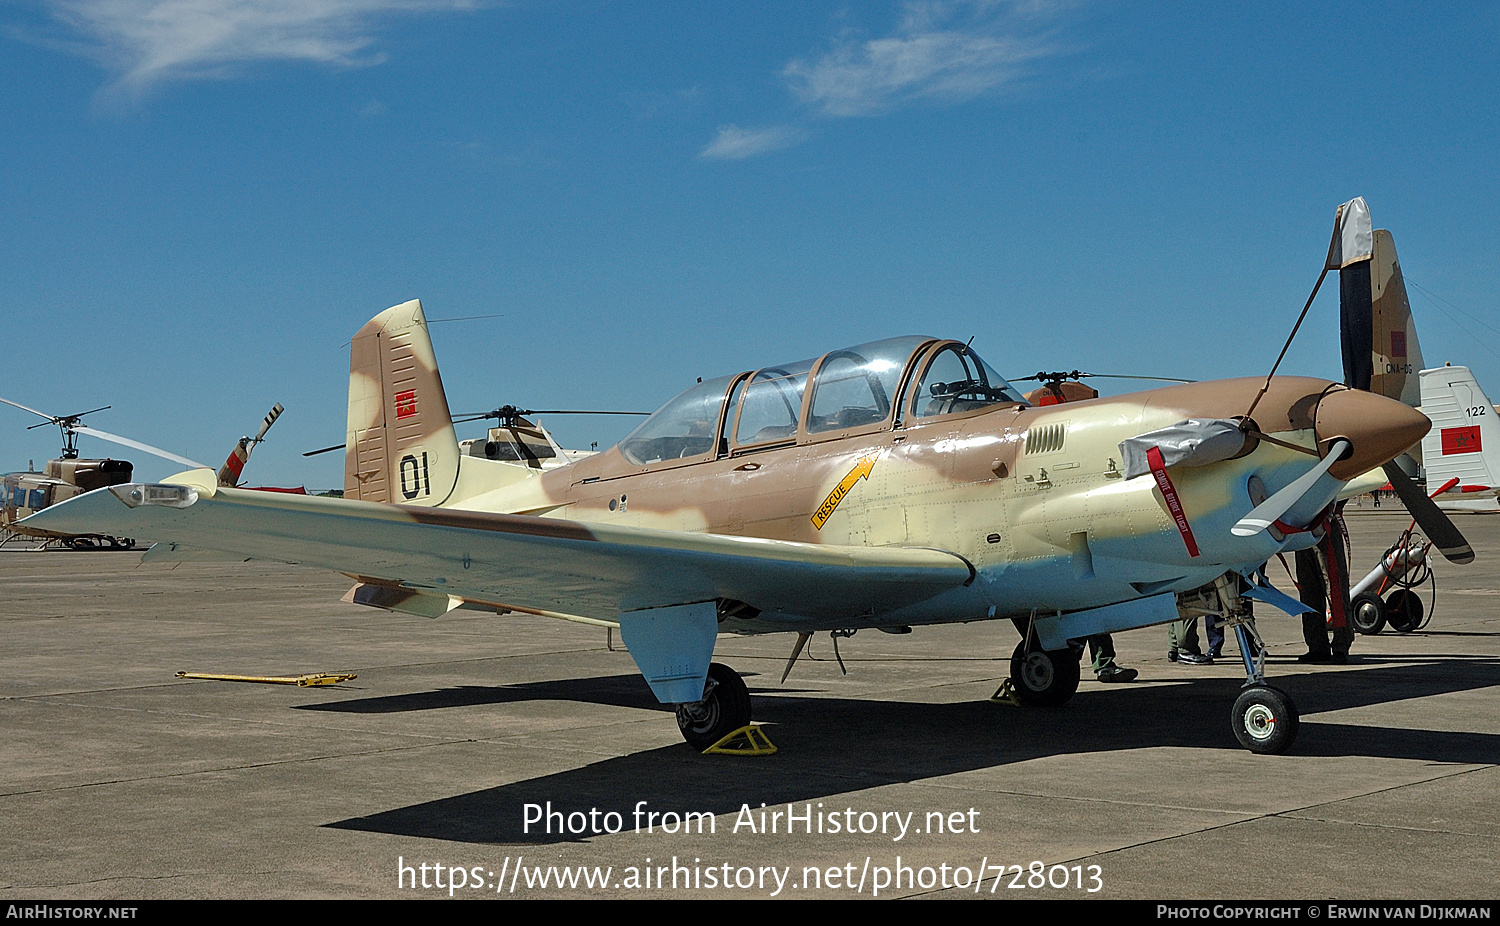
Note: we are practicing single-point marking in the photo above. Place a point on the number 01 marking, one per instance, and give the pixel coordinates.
(415, 479)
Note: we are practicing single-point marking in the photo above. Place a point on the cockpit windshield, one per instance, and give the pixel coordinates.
(771, 404)
(856, 389)
(684, 427)
(858, 386)
(957, 380)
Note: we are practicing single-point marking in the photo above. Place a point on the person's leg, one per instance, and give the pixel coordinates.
(1312, 592)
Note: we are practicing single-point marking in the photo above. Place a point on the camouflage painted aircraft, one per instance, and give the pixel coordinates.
(879, 487)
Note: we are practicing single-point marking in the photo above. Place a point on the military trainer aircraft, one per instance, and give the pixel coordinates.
(882, 486)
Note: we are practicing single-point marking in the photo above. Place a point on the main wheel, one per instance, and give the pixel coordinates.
(1369, 613)
(1265, 720)
(1043, 677)
(1404, 610)
(725, 708)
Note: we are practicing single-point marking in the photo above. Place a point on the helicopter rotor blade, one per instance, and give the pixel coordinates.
(265, 425)
(510, 411)
(155, 451)
(234, 464)
(1079, 374)
(313, 453)
(50, 418)
(560, 411)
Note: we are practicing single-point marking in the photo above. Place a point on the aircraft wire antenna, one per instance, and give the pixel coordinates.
(1336, 259)
(749, 740)
(315, 680)
(802, 639)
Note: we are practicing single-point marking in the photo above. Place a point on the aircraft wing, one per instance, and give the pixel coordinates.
(587, 569)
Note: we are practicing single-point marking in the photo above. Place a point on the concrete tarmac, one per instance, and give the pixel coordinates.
(123, 781)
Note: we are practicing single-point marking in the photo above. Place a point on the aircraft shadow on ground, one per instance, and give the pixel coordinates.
(832, 746)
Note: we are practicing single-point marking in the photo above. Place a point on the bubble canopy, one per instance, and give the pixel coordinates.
(868, 387)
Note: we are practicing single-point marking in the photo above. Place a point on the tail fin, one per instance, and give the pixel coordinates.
(1381, 353)
(401, 446)
(229, 473)
(1465, 438)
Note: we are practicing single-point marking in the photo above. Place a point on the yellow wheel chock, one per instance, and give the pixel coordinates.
(1005, 694)
(301, 681)
(746, 741)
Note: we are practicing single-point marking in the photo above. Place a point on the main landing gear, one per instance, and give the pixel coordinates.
(725, 708)
(87, 542)
(1043, 677)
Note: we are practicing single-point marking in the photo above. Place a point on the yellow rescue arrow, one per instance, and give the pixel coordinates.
(860, 471)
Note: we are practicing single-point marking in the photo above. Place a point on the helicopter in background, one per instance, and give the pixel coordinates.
(516, 438)
(24, 494)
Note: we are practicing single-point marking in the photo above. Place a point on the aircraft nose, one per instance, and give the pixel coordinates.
(1380, 429)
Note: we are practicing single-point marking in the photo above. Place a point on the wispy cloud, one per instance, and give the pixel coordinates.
(939, 50)
(150, 42)
(944, 51)
(733, 143)
(877, 75)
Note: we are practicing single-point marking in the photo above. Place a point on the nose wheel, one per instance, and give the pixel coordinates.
(1265, 720)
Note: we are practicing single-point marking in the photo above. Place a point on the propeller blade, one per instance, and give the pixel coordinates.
(155, 451)
(1434, 523)
(1269, 511)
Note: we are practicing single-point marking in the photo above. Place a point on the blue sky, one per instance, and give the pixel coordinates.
(203, 199)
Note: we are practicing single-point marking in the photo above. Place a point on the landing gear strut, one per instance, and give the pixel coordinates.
(1264, 718)
(725, 708)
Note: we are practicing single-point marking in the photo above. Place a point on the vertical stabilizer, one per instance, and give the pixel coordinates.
(1396, 356)
(1465, 440)
(1379, 337)
(400, 444)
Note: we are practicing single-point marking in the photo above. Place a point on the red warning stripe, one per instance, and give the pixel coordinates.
(1169, 492)
(236, 461)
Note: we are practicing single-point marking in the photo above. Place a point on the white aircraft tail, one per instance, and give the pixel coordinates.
(1465, 439)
